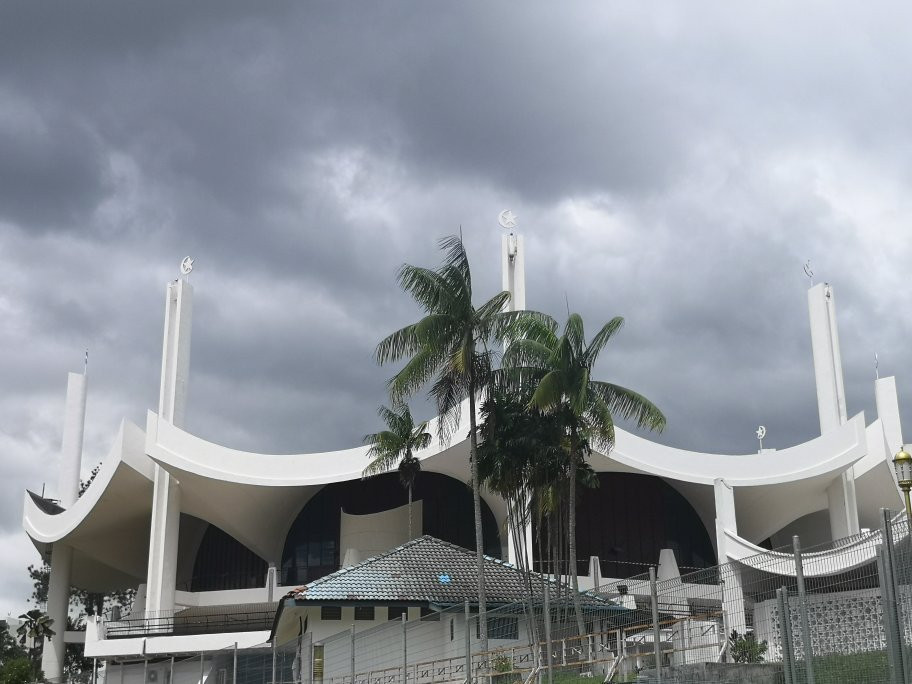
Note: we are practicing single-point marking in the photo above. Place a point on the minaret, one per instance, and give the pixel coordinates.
(831, 403)
(513, 262)
(58, 598)
(513, 273)
(161, 578)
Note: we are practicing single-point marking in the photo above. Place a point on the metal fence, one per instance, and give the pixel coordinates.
(835, 613)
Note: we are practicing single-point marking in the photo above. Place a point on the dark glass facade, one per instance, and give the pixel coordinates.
(628, 519)
(312, 545)
(222, 562)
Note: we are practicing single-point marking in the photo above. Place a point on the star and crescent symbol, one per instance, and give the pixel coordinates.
(186, 265)
(507, 219)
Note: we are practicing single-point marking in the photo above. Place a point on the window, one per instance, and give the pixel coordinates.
(364, 612)
(396, 612)
(318, 662)
(499, 628)
(503, 628)
(452, 628)
(330, 612)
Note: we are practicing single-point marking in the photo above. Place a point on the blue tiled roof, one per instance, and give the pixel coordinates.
(429, 570)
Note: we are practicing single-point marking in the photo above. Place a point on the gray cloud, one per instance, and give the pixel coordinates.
(676, 166)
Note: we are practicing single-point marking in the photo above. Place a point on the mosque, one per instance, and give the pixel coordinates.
(200, 528)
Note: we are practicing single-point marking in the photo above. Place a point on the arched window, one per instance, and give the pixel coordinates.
(628, 519)
(312, 545)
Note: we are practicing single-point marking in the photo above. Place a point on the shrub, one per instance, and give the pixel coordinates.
(744, 648)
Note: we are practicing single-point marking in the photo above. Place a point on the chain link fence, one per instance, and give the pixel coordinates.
(837, 613)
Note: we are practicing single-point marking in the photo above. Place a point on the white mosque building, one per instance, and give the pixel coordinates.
(202, 528)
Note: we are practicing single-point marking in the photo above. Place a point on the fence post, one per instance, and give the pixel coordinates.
(656, 632)
(404, 647)
(547, 620)
(170, 676)
(784, 636)
(234, 665)
(894, 643)
(890, 566)
(352, 649)
(468, 644)
(274, 659)
(145, 670)
(803, 610)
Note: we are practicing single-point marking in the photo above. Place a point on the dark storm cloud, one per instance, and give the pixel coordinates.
(673, 165)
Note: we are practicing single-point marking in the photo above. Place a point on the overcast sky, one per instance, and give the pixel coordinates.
(674, 163)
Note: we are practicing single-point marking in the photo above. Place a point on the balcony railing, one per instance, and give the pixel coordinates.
(192, 621)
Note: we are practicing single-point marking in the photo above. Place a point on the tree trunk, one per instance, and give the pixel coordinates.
(410, 537)
(571, 533)
(479, 536)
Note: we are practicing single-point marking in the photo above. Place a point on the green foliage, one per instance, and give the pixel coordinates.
(744, 648)
(397, 444)
(857, 668)
(451, 348)
(35, 629)
(19, 671)
(9, 647)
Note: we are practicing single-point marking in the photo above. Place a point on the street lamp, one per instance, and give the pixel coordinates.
(902, 464)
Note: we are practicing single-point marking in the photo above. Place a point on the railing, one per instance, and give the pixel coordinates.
(190, 621)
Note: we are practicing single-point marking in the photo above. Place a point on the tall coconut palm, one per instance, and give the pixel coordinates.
(398, 444)
(560, 368)
(451, 347)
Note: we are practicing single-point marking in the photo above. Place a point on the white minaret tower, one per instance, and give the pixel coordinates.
(58, 599)
(513, 262)
(831, 403)
(513, 272)
(161, 578)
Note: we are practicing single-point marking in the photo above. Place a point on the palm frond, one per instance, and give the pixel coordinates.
(394, 346)
(629, 405)
(428, 288)
(602, 337)
(416, 373)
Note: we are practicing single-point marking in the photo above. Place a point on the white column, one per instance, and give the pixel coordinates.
(733, 602)
(512, 551)
(513, 269)
(67, 492)
(831, 405)
(57, 607)
(163, 536)
(71, 447)
(888, 412)
(513, 278)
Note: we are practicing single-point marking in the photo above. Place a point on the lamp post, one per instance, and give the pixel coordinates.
(902, 464)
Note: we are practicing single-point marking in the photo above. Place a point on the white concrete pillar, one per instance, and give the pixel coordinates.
(161, 579)
(831, 404)
(513, 270)
(71, 447)
(58, 602)
(888, 411)
(733, 595)
(67, 493)
(512, 552)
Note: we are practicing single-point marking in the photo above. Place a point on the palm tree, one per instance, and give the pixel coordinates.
(449, 347)
(560, 370)
(35, 628)
(397, 444)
